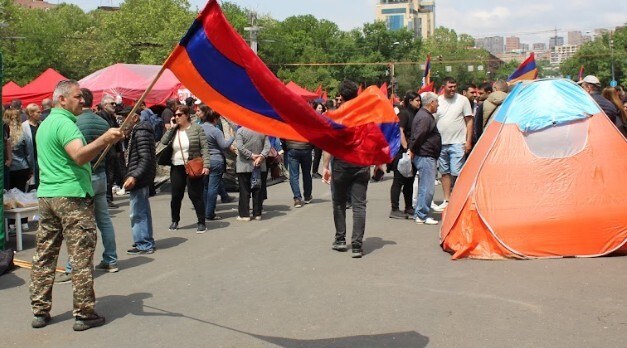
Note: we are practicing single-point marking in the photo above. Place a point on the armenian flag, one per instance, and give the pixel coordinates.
(527, 70)
(217, 66)
(426, 78)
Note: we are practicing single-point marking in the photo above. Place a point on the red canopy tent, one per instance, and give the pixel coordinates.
(11, 88)
(129, 81)
(292, 86)
(37, 90)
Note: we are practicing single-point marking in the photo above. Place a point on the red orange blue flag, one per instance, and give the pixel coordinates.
(580, 74)
(527, 70)
(426, 78)
(216, 65)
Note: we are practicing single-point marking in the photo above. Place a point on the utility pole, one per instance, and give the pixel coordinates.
(254, 31)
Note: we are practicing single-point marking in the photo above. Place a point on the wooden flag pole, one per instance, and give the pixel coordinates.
(126, 122)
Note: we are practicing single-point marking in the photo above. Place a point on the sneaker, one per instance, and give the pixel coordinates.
(298, 203)
(63, 278)
(258, 218)
(82, 324)
(24, 227)
(441, 207)
(409, 212)
(339, 246)
(107, 267)
(121, 192)
(112, 205)
(201, 228)
(397, 214)
(135, 251)
(357, 253)
(308, 199)
(40, 321)
(433, 205)
(214, 218)
(427, 221)
(174, 226)
(228, 199)
(316, 175)
(245, 218)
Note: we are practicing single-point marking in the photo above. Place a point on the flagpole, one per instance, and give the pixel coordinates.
(126, 122)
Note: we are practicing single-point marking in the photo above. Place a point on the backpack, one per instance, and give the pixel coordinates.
(6, 261)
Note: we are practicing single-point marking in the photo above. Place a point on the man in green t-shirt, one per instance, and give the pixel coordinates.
(66, 207)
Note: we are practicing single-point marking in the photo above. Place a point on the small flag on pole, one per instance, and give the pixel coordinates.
(426, 78)
(580, 73)
(527, 70)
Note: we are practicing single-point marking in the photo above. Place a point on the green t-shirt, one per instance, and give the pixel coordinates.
(59, 175)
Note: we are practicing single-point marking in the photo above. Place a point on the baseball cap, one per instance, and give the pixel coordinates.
(591, 79)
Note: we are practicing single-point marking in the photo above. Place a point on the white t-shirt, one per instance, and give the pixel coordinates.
(450, 116)
(177, 156)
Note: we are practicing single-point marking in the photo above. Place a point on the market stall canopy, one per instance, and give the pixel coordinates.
(11, 88)
(292, 86)
(129, 81)
(37, 90)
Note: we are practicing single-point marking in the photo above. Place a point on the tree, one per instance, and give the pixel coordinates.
(596, 57)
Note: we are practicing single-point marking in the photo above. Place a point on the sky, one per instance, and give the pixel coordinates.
(531, 20)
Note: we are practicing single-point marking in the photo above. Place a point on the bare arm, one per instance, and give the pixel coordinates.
(469, 129)
(82, 154)
(326, 170)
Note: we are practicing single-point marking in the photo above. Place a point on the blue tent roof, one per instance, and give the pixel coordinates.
(540, 104)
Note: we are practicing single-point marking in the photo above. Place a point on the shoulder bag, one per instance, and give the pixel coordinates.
(193, 167)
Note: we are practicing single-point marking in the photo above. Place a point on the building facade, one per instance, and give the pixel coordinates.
(417, 16)
(561, 53)
(556, 41)
(492, 44)
(34, 4)
(512, 43)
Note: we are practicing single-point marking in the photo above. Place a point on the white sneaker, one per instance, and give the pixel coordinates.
(120, 192)
(245, 218)
(441, 207)
(427, 221)
(433, 205)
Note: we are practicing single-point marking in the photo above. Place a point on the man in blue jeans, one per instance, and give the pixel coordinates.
(92, 126)
(141, 164)
(299, 157)
(425, 145)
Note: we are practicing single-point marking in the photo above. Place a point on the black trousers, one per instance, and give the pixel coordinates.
(406, 185)
(245, 193)
(179, 180)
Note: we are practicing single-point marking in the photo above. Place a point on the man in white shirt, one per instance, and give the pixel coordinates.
(455, 121)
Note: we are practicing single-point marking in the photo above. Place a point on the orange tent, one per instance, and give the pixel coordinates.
(546, 179)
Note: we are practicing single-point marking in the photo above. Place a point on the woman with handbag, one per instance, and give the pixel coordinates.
(189, 164)
(252, 148)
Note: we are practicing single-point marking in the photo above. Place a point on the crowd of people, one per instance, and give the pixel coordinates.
(57, 157)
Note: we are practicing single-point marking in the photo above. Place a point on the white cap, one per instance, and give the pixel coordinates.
(591, 79)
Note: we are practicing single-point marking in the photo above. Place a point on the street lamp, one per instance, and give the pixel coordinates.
(613, 83)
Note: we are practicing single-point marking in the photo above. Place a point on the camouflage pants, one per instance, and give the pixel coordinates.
(72, 219)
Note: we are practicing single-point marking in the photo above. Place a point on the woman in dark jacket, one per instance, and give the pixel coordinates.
(188, 141)
(141, 165)
(411, 104)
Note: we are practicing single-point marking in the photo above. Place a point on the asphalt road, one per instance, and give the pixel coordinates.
(277, 283)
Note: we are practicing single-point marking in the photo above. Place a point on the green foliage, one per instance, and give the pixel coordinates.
(596, 57)
(304, 49)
